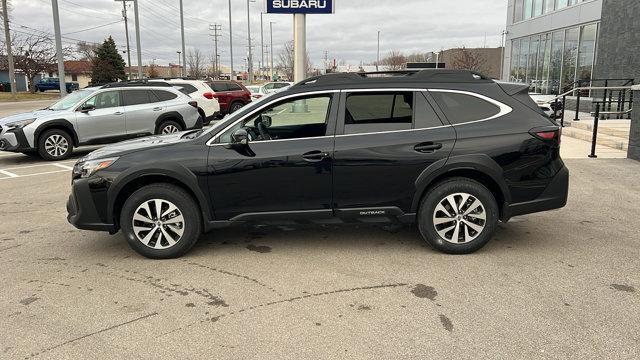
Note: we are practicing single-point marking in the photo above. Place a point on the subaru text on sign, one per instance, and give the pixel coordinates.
(299, 6)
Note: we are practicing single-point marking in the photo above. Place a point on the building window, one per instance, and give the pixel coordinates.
(74, 77)
(517, 10)
(533, 62)
(586, 52)
(528, 7)
(570, 58)
(561, 4)
(515, 60)
(524, 59)
(543, 64)
(538, 7)
(549, 6)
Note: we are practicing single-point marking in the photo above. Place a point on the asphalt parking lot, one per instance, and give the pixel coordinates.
(561, 284)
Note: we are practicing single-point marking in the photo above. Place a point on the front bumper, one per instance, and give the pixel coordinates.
(553, 197)
(14, 140)
(81, 208)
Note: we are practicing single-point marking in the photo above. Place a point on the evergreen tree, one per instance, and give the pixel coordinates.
(108, 65)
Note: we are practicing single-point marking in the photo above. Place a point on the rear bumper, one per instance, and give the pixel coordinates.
(81, 209)
(553, 197)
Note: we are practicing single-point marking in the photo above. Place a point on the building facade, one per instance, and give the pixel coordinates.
(553, 44)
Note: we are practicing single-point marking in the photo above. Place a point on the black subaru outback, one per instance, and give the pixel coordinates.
(452, 151)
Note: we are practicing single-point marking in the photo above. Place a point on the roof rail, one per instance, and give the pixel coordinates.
(405, 75)
(134, 83)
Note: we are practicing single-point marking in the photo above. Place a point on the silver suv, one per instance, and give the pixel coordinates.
(99, 115)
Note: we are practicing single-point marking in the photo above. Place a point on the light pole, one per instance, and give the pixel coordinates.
(184, 54)
(59, 55)
(126, 33)
(250, 58)
(271, 44)
(261, 44)
(231, 42)
(7, 36)
(179, 67)
(378, 57)
(299, 47)
(139, 47)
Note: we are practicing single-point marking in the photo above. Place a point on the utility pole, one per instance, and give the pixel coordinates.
(271, 44)
(231, 43)
(7, 36)
(139, 47)
(261, 44)
(59, 54)
(216, 67)
(184, 54)
(126, 33)
(250, 58)
(378, 61)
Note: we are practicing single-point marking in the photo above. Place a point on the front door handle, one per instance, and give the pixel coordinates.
(427, 147)
(315, 156)
(118, 113)
(157, 108)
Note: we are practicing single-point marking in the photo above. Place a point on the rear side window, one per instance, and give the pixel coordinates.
(219, 86)
(234, 87)
(162, 95)
(460, 108)
(378, 111)
(185, 88)
(135, 97)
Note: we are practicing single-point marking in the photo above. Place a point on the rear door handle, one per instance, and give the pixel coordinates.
(157, 108)
(427, 147)
(315, 156)
(118, 113)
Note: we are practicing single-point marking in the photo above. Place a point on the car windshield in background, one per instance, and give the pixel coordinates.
(70, 100)
(253, 89)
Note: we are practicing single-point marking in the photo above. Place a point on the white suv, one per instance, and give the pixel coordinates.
(199, 90)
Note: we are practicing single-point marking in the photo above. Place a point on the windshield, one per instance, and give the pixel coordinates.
(253, 89)
(231, 118)
(70, 100)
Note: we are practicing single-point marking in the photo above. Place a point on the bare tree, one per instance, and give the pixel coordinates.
(286, 60)
(195, 63)
(153, 71)
(35, 54)
(417, 57)
(464, 59)
(86, 51)
(395, 60)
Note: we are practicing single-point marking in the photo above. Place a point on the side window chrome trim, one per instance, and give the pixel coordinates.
(394, 131)
(504, 109)
(267, 104)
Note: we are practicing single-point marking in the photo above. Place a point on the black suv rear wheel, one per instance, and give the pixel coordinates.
(161, 221)
(458, 216)
(55, 144)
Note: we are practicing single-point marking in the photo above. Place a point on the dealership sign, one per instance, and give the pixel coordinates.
(299, 6)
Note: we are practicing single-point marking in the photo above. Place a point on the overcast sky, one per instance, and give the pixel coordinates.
(349, 34)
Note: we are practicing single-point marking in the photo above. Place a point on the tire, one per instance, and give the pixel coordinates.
(167, 195)
(168, 127)
(55, 145)
(435, 207)
(235, 106)
(33, 153)
(204, 117)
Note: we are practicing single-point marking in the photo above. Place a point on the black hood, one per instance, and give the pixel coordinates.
(130, 146)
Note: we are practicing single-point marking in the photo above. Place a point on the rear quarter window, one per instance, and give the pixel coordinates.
(218, 86)
(162, 95)
(234, 87)
(185, 88)
(461, 108)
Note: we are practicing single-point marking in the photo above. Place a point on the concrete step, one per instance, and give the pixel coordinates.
(603, 128)
(614, 142)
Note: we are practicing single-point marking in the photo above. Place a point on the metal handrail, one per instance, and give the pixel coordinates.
(590, 88)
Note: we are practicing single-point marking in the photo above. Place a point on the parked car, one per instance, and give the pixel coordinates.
(53, 83)
(453, 151)
(276, 86)
(548, 103)
(257, 92)
(100, 115)
(230, 94)
(208, 105)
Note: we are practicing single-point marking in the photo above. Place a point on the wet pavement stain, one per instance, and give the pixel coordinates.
(624, 288)
(424, 291)
(25, 231)
(229, 273)
(261, 248)
(190, 305)
(364, 308)
(446, 322)
(29, 300)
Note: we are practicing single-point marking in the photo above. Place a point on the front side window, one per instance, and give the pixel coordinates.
(135, 97)
(105, 100)
(460, 108)
(290, 119)
(378, 111)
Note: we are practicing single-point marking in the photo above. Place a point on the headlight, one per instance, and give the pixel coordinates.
(19, 124)
(88, 168)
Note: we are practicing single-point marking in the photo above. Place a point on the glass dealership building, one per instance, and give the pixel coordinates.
(551, 44)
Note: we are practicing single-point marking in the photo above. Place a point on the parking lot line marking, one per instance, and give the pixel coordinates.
(38, 165)
(9, 174)
(63, 166)
(28, 175)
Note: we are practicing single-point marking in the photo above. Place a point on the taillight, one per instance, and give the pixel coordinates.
(548, 134)
(208, 95)
(193, 103)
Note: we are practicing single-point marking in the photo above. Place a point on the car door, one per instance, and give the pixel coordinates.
(106, 120)
(385, 140)
(285, 170)
(142, 108)
(222, 94)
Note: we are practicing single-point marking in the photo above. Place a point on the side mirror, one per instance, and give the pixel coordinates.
(240, 137)
(86, 108)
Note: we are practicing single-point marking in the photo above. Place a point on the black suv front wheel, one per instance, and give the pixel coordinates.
(161, 221)
(458, 216)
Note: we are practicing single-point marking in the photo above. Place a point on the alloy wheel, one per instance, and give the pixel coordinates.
(459, 218)
(170, 129)
(56, 145)
(158, 224)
